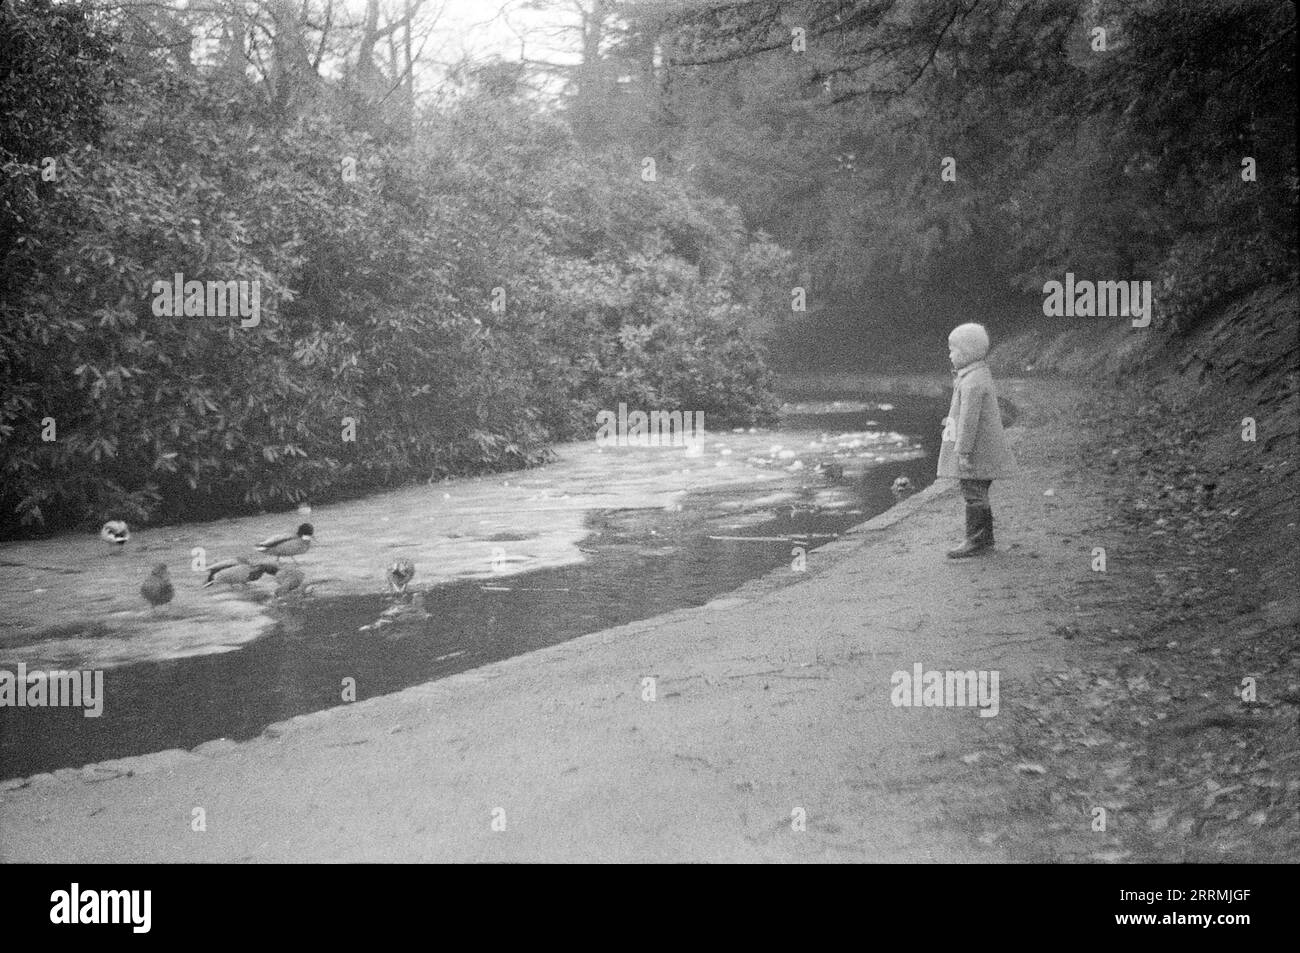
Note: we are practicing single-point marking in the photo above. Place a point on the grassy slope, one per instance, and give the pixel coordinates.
(1206, 587)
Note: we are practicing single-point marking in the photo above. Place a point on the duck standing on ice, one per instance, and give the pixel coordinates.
(400, 574)
(157, 589)
(289, 544)
(116, 533)
(290, 581)
(238, 572)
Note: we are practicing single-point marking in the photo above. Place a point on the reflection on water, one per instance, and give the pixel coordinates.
(828, 467)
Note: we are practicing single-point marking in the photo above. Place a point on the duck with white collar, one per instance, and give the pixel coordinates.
(288, 544)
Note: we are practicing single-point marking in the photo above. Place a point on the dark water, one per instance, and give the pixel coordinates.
(640, 563)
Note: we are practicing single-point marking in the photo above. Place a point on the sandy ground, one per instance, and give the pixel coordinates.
(771, 735)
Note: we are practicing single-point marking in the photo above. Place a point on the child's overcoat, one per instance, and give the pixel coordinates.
(974, 427)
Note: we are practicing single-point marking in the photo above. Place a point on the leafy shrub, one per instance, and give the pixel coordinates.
(376, 301)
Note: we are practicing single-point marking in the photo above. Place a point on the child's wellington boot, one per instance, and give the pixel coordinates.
(972, 529)
(979, 532)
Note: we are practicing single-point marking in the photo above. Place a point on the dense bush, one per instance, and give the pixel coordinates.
(376, 295)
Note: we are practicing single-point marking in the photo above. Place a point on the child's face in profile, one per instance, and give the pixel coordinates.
(956, 354)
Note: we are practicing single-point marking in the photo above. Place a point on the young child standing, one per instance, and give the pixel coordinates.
(974, 448)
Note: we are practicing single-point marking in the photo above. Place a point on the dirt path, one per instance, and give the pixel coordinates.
(770, 705)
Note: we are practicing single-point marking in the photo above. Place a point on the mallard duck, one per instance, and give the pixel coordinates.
(116, 533)
(902, 488)
(235, 572)
(289, 544)
(290, 580)
(400, 574)
(157, 589)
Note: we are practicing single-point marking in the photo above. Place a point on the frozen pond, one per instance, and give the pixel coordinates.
(506, 564)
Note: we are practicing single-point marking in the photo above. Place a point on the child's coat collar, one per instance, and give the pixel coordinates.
(963, 371)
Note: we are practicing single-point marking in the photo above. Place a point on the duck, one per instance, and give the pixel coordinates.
(290, 580)
(902, 488)
(116, 533)
(832, 471)
(288, 544)
(400, 574)
(239, 571)
(157, 588)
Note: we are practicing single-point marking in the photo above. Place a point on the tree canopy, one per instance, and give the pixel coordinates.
(467, 262)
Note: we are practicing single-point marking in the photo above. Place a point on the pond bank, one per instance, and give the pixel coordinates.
(771, 709)
(772, 735)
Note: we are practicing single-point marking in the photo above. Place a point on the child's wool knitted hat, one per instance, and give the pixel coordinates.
(972, 339)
